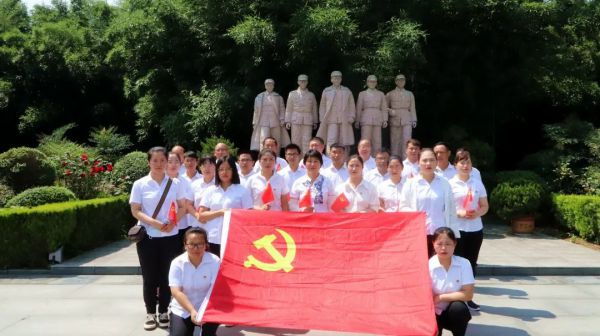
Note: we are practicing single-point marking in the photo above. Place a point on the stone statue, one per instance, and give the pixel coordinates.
(301, 114)
(337, 113)
(268, 119)
(403, 116)
(371, 113)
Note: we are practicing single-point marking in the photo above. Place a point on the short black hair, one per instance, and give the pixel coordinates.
(293, 146)
(190, 154)
(313, 154)
(157, 149)
(444, 230)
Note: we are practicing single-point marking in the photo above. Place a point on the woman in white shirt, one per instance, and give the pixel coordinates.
(161, 243)
(200, 186)
(452, 283)
(227, 193)
(471, 202)
(361, 194)
(258, 183)
(389, 190)
(431, 194)
(322, 191)
(173, 165)
(191, 278)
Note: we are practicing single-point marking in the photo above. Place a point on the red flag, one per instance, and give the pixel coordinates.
(172, 216)
(278, 167)
(340, 203)
(468, 200)
(268, 196)
(306, 200)
(364, 273)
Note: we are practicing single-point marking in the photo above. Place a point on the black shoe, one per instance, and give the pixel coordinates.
(473, 306)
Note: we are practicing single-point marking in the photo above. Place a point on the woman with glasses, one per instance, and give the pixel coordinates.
(161, 243)
(389, 190)
(191, 277)
(313, 192)
(227, 193)
(266, 179)
(453, 283)
(430, 193)
(360, 193)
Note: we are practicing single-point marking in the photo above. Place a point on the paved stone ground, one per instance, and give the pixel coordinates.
(112, 305)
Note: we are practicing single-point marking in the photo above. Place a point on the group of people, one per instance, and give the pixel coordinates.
(200, 190)
(337, 114)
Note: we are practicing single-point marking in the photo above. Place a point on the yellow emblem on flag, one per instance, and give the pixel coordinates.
(281, 262)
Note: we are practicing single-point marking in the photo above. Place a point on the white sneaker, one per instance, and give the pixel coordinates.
(150, 323)
(163, 320)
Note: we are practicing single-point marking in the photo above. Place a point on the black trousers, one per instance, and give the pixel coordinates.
(468, 247)
(455, 318)
(179, 326)
(155, 255)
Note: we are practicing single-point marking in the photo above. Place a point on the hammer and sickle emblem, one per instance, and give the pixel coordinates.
(281, 262)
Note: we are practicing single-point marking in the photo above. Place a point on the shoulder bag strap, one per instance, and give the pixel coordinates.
(162, 198)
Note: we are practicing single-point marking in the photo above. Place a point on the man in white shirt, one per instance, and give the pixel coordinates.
(180, 151)
(318, 144)
(364, 150)
(337, 170)
(190, 163)
(246, 164)
(444, 167)
(293, 171)
(411, 163)
(271, 143)
(380, 173)
(221, 151)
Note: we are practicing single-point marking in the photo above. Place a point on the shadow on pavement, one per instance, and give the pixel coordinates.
(530, 315)
(239, 331)
(498, 291)
(482, 329)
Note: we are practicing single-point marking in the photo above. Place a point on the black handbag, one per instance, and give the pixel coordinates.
(137, 232)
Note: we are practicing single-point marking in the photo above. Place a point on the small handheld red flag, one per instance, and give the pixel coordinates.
(172, 216)
(340, 203)
(306, 200)
(468, 200)
(278, 167)
(268, 196)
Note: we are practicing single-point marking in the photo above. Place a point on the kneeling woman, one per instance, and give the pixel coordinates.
(190, 277)
(453, 283)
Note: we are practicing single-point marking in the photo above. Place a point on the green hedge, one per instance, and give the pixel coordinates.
(579, 214)
(41, 195)
(27, 235)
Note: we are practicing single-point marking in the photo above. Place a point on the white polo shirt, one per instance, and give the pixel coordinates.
(331, 172)
(410, 169)
(215, 198)
(322, 193)
(362, 198)
(460, 190)
(369, 165)
(147, 192)
(447, 173)
(435, 199)
(195, 282)
(257, 185)
(244, 178)
(390, 194)
(459, 274)
(375, 177)
(290, 176)
(199, 188)
(197, 176)
(184, 222)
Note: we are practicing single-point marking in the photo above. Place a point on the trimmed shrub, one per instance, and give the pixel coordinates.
(27, 235)
(6, 193)
(510, 200)
(579, 214)
(23, 168)
(41, 195)
(129, 168)
(209, 144)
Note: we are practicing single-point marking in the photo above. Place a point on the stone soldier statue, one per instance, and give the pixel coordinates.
(402, 116)
(268, 119)
(337, 113)
(301, 114)
(371, 113)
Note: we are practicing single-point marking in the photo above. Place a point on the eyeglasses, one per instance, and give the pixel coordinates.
(196, 246)
(222, 170)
